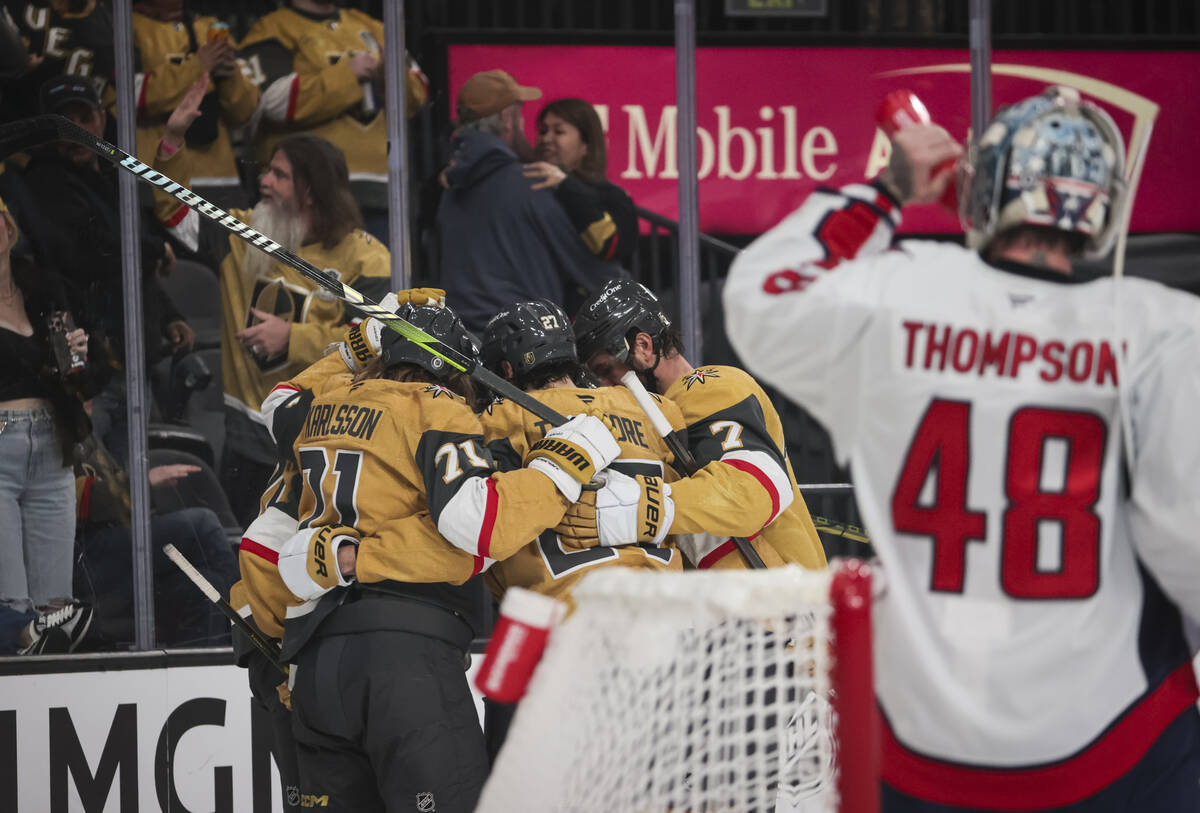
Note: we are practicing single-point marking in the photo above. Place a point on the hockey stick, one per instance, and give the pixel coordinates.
(683, 455)
(206, 587)
(41, 129)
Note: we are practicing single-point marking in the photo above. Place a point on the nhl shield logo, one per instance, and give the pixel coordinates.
(293, 795)
(425, 803)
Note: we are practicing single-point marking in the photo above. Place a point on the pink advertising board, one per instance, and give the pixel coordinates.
(775, 123)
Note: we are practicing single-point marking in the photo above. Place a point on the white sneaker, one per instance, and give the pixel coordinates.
(49, 629)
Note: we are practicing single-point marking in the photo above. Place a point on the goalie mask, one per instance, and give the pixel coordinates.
(607, 317)
(528, 335)
(1050, 160)
(442, 324)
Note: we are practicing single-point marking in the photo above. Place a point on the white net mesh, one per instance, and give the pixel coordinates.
(698, 691)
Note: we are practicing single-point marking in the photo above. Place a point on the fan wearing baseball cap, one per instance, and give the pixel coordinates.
(502, 241)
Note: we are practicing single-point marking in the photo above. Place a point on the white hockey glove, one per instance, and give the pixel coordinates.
(363, 342)
(308, 562)
(623, 511)
(573, 453)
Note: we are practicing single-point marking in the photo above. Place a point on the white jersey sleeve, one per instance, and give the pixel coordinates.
(765, 324)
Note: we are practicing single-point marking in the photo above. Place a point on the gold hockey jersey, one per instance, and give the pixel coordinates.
(317, 317)
(301, 64)
(545, 565)
(168, 67)
(746, 487)
(261, 592)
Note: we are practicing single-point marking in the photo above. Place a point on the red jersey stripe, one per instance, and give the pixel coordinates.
(762, 477)
(484, 545)
(258, 549)
(1056, 785)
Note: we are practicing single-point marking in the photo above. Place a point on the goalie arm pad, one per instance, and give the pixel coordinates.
(308, 561)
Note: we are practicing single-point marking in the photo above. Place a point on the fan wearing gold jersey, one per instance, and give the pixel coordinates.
(746, 487)
(379, 626)
(175, 48)
(320, 68)
(275, 321)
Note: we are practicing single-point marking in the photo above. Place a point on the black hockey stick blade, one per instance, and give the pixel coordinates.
(57, 128)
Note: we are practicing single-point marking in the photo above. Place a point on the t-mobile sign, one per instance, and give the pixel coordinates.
(775, 123)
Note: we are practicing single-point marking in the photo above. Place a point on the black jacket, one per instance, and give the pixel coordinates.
(503, 242)
(78, 234)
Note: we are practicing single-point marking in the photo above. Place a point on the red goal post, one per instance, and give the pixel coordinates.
(701, 691)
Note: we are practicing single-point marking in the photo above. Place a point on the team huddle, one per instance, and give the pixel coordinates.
(398, 482)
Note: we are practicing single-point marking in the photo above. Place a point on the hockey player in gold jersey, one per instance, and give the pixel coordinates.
(320, 68)
(746, 487)
(531, 344)
(174, 48)
(381, 708)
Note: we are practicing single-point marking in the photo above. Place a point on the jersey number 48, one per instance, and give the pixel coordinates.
(941, 448)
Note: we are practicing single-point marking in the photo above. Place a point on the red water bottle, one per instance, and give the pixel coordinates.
(902, 109)
(517, 642)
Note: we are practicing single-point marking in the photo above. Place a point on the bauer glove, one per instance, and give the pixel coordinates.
(308, 561)
(363, 341)
(623, 511)
(573, 453)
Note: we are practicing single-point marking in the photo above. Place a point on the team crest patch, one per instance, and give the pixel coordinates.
(425, 803)
(699, 376)
(437, 390)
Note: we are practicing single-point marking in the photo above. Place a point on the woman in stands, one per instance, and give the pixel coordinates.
(47, 370)
(573, 162)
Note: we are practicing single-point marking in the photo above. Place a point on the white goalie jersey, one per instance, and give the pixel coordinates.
(1035, 577)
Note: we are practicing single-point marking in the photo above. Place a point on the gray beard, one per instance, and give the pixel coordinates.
(282, 226)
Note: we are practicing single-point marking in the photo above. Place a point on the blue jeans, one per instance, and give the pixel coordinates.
(37, 511)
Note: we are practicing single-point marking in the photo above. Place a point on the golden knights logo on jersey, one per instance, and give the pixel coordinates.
(699, 376)
(276, 298)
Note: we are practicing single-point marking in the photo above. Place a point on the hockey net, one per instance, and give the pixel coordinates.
(700, 691)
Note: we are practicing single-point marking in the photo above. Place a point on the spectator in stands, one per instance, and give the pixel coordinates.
(184, 617)
(503, 241)
(77, 231)
(63, 37)
(50, 633)
(573, 161)
(174, 48)
(276, 322)
(320, 69)
(46, 370)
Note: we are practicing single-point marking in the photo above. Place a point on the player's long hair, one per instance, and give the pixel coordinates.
(319, 168)
(580, 114)
(457, 382)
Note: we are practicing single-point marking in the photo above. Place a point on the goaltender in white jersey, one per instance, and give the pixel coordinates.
(1029, 646)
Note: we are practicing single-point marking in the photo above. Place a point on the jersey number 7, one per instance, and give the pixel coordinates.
(941, 449)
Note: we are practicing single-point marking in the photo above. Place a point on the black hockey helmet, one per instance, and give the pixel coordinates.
(609, 315)
(442, 324)
(528, 335)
